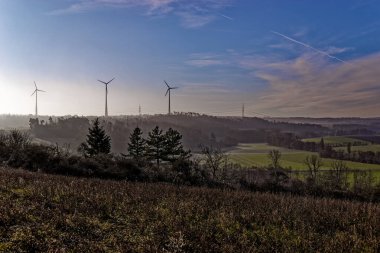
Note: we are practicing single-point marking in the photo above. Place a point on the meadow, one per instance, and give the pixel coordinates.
(256, 155)
(45, 213)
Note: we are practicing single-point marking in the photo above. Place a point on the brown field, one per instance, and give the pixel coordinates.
(46, 213)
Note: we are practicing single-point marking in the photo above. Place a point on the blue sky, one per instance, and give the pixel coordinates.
(280, 58)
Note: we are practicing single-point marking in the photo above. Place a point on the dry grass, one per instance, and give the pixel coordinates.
(47, 213)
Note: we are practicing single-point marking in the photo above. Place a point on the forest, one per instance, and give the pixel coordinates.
(196, 129)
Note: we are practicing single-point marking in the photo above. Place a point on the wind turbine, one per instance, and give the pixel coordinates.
(168, 92)
(106, 84)
(36, 92)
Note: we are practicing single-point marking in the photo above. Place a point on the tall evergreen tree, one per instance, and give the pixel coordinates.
(137, 145)
(173, 146)
(156, 145)
(322, 144)
(349, 145)
(97, 141)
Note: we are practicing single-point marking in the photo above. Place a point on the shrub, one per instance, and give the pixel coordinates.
(37, 157)
(129, 169)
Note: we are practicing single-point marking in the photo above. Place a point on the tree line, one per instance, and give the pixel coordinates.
(160, 157)
(158, 147)
(196, 129)
(291, 141)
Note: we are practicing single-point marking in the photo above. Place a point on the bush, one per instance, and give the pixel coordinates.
(37, 157)
(129, 169)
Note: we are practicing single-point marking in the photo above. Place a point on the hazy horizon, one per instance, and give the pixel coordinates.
(281, 59)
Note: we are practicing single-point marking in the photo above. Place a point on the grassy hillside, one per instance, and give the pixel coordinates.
(62, 214)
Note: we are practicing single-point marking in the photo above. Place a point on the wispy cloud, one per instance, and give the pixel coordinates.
(301, 32)
(192, 14)
(338, 50)
(230, 58)
(225, 16)
(194, 20)
(309, 85)
(191, 88)
(308, 46)
(206, 60)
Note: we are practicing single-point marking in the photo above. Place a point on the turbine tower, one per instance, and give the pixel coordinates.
(106, 84)
(36, 92)
(168, 92)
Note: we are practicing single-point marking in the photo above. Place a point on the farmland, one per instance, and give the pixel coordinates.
(256, 155)
(46, 213)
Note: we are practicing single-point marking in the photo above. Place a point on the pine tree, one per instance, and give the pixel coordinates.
(97, 141)
(137, 145)
(155, 145)
(173, 146)
(322, 144)
(349, 145)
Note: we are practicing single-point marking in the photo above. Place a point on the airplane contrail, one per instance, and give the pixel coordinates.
(225, 16)
(308, 46)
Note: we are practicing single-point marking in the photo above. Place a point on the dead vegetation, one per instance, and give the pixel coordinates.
(47, 213)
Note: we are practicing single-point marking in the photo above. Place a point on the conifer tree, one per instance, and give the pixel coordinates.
(137, 145)
(156, 145)
(173, 148)
(97, 141)
(322, 144)
(349, 145)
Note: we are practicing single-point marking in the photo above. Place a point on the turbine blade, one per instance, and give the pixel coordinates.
(167, 84)
(33, 93)
(35, 84)
(174, 88)
(102, 82)
(41, 90)
(111, 80)
(167, 91)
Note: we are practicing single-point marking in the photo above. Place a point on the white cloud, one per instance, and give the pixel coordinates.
(192, 13)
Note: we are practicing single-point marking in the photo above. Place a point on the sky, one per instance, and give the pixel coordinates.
(279, 58)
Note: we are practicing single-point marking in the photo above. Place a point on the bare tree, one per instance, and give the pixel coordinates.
(275, 156)
(277, 173)
(314, 163)
(214, 159)
(339, 173)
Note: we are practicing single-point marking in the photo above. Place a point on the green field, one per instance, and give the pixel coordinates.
(256, 155)
(335, 140)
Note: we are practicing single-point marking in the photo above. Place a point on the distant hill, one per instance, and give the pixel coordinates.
(372, 125)
(196, 129)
